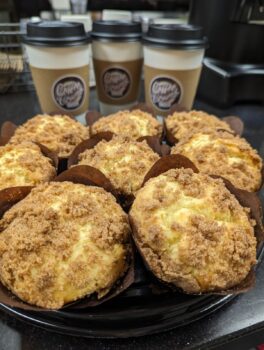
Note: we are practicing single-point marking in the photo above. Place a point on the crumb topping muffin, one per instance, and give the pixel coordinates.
(24, 165)
(60, 133)
(133, 124)
(62, 242)
(223, 154)
(193, 232)
(181, 124)
(124, 161)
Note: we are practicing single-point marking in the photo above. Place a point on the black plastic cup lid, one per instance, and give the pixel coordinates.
(116, 31)
(175, 36)
(56, 34)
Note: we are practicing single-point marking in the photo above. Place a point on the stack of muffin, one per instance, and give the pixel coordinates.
(67, 240)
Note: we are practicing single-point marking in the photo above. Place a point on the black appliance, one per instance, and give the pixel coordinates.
(234, 64)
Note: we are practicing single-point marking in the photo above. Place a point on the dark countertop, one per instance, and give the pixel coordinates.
(240, 322)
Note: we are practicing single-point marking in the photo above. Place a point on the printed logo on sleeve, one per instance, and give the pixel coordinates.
(68, 92)
(116, 82)
(165, 91)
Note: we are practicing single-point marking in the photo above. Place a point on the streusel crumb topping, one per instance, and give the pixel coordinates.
(193, 232)
(133, 124)
(60, 133)
(181, 124)
(62, 242)
(221, 153)
(124, 161)
(24, 165)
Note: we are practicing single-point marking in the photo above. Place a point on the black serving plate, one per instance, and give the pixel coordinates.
(145, 308)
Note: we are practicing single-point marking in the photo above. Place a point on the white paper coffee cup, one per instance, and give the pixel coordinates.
(58, 55)
(173, 57)
(117, 57)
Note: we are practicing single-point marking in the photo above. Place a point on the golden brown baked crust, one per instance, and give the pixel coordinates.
(60, 133)
(62, 242)
(24, 165)
(133, 124)
(223, 154)
(193, 232)
(181, 124)
(124, 161)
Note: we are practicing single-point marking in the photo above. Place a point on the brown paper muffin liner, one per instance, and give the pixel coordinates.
(50, 154)
(87, 175)
(11, 196)
(172, 161)
(235, 123)
(91, 117)
(8, 129)
(169, 137)
(246, 199)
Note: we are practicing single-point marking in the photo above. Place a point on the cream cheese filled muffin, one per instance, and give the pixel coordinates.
(123, 161)
(223, 154)
(60, 133)
(24, 165)
(134, 124)
(192, 231)
(181, 124)
(62, 242)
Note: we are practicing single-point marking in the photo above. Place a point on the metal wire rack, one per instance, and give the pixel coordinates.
(14, 68)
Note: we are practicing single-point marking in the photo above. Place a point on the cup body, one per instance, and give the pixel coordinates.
(117, 67)
(61, 77)
(171, 77)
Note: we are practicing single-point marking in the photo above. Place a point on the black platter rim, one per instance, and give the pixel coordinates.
(133, 313)
(145, 318)
(55, 321)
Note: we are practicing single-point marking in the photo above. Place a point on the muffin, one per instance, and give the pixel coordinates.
(181, 124)
(223, 154)
(192, 232)
(123, 161)
(60, 133)
(134, 124)
(62, 242)
(24, 165)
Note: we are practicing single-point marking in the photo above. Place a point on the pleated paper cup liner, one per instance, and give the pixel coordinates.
(246, 199)
(11, 196)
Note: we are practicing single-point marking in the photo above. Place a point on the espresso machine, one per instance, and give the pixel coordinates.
(233, 68)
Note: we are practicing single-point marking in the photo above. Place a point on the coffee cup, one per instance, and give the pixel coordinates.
(173, 57)
(58, 55)
(117, 57)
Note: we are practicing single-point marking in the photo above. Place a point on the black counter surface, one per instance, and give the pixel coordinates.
(238, 325)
